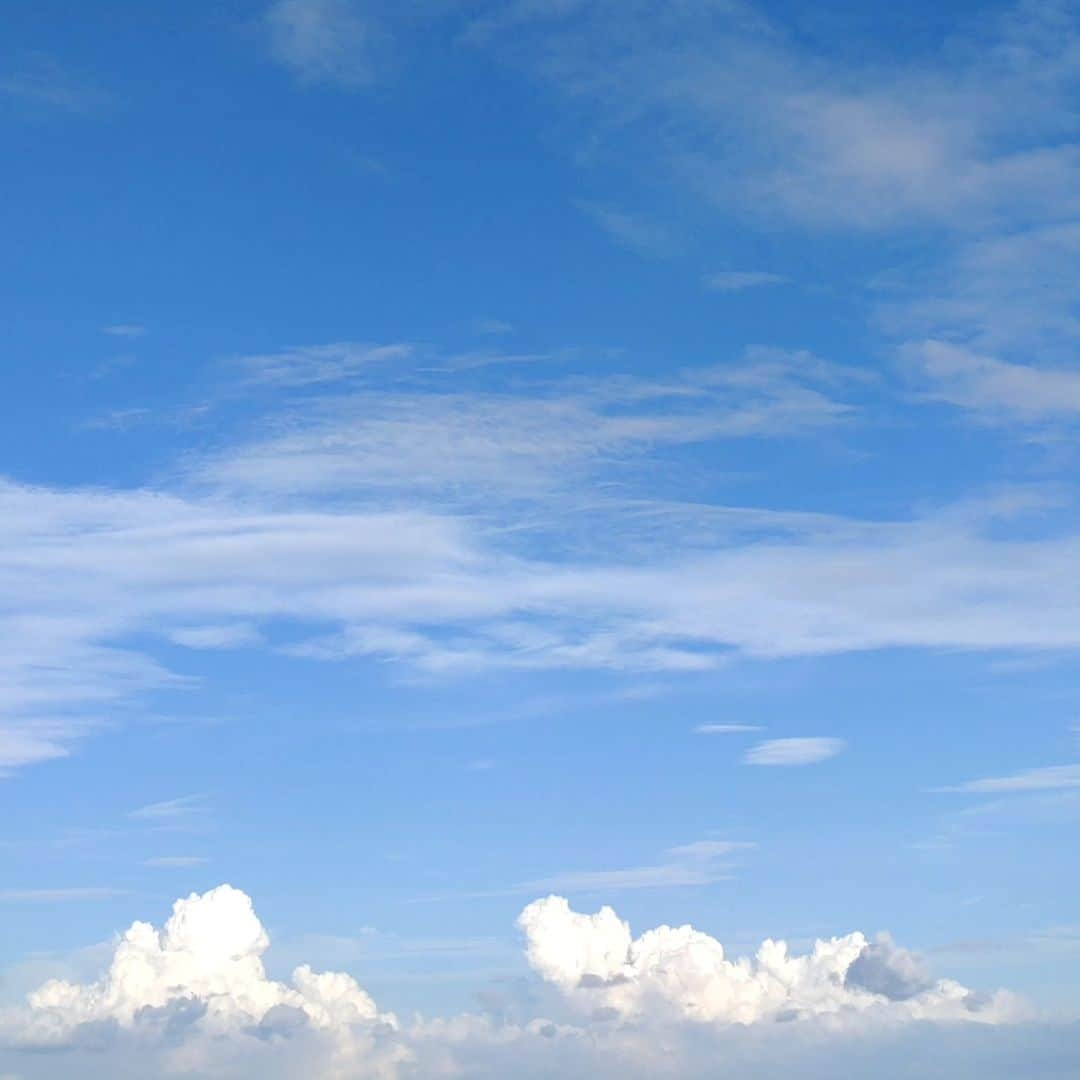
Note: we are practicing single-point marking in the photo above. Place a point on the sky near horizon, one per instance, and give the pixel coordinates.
(481, 480)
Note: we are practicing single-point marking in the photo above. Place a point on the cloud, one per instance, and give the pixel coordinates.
(172, 810)
(495, 327)
(699, 863)
(725, 729)
(309, 365)
(194, 997)
(226, 636)
(125, 330)
(539, 436)
(93, 578)
(633, 231)
(43, 80)
(994, 388)
(1048, 778)
(684, 974)
(48, 896)
(325, 41)
(793, 751)
(738, 280)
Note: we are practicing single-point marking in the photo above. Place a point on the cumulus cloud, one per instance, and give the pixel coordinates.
(683, 973)
(193, 997)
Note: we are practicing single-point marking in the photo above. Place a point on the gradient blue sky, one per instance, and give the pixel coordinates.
(452, 451)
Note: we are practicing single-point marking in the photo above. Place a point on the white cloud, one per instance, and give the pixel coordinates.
(995, 388)
(310, 365)
(325, 41)
(725, 729)
(47, 896)
(684, 974)
(224, 636)
(42, 80)
(172, 810)
(88, 574)
(741, 111)
(1048, 778)
(633, 231)
(494, 327)
(517, 442)
(698, 863)
(806, 751)
(124, 330)
(194, 998)
(738, 280)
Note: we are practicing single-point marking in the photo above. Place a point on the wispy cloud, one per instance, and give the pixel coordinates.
(725, 729)
(325, 41)
(43, 80)
(172, 810)
(806, 751)
(125, 330)
(50, 896)
(175, 862)
(1048, 778)
(738, 280)
(699, 863)
(494, 327)
(993, 388)
(308, 365)
(632, 231)
(222, 636)
(517, 441)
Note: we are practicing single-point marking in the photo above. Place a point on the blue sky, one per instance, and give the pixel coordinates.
(456, 453)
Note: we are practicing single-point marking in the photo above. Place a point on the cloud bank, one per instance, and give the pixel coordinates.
(194, 998)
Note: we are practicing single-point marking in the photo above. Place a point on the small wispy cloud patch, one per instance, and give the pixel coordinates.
(632, 231)
(308, 365)
(171, 811)
(494, 327)
(42, 80)
(806, 751)
(725, 729)
(1048, 778)
(325, 41)
(175, 862)
(226, 636)
(738, 280)
(698, 863)
(993, 388)
(125, 330)
(50, 896)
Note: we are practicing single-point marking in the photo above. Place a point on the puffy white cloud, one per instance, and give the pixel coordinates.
(193, 998)
(208, 956)
(683, 974)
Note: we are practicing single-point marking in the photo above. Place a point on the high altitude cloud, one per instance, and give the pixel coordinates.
(324, 41)
(87, 575)
(194, 997)
(805, 751)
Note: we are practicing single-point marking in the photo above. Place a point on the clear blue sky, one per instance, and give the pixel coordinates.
(460, 452)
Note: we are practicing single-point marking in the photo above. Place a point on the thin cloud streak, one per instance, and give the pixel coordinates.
(793, 752)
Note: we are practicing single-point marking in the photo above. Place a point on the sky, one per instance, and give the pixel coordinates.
(539, 537)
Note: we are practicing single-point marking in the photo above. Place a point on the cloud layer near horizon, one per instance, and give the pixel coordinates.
(194, 998)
